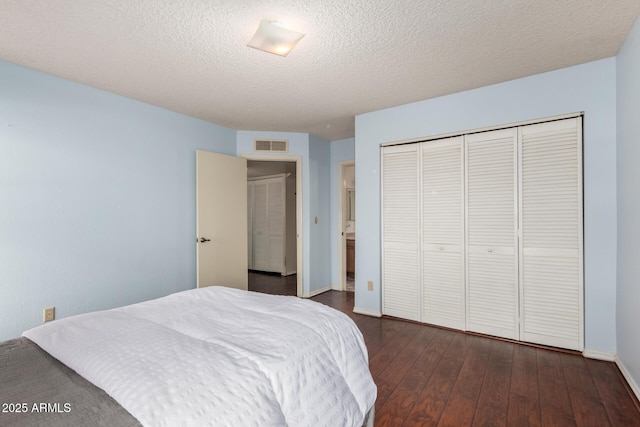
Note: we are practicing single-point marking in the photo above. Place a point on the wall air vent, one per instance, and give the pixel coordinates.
(267, 145)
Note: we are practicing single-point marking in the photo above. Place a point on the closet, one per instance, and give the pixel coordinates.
(483, 232)
(271, 223)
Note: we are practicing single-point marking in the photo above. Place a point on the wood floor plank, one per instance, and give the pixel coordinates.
(462, 403)
(585, 399)
(618, 403)
(403, 361)
(524, 404)
(384, 391)
(521, 386)
(494, 396)
(401, 402)
(385, 356)
(555, 404)
(434, 397)
(379, 334)
(371, 329)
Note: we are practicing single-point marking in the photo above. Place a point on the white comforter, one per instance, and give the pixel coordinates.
(220, 356)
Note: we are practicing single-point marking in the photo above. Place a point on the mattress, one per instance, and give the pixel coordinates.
(221, 356)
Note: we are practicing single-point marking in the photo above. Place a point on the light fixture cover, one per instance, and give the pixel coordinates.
(273, 38)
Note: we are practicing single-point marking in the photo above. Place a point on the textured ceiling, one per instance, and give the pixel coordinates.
(190, 56)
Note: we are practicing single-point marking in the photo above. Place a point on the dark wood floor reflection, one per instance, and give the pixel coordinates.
(428, 376)
(272, 283)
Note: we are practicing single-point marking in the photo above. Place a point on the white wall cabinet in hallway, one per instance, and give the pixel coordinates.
(483, 232)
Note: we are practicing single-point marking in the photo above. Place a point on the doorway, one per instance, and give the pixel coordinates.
(347, 224)
(274, 213)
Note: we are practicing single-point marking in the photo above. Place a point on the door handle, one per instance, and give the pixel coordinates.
(204, 239)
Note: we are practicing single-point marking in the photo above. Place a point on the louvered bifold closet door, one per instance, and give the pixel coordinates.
(276, 219)
(260, 227)
(551, 223)
(443, 233)
(492, 280)
(400, 232)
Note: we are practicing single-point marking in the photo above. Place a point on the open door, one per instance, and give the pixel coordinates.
(221, 220)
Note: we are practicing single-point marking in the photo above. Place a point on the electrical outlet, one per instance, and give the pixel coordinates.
(370, 285)
(49, 314)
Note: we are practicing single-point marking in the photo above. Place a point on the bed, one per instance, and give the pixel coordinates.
(211, 356)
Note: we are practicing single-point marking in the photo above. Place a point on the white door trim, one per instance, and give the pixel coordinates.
(300, 267)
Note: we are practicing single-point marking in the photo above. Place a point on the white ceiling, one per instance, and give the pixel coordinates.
(190, 56)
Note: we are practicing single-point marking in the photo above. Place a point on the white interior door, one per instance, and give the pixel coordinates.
(400, 233)
(260, 226)
(492, 277)
(443, 297)
(269, 224)
(551, 223)
(221, 210)
(275, 220)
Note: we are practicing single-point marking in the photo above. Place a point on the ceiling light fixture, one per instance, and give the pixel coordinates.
(272, 37)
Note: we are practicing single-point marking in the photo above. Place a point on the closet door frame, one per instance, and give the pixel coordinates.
(250, 188)
(302, 269)
(518, 215)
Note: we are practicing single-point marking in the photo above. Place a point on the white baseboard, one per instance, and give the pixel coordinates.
(367, 312)
(627, 376)
(317, 292)
(599, 355)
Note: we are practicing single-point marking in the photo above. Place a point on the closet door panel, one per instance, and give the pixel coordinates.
(275, 221)
(442, 233)
(260, 227)
(276, 257)
(400, 235)
(268, 218)
(551, 224)
(492, 279)
(552, 309)
(443, 289)
(492, 294)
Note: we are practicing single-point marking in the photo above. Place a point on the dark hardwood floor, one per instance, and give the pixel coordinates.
(272, 283)
(428, 376)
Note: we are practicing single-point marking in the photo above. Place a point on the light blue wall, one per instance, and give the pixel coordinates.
(341, 151)
(319, 155)
(628, 331)
(298, 146)
(315, 156)
(97, 198)
(590, 88)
